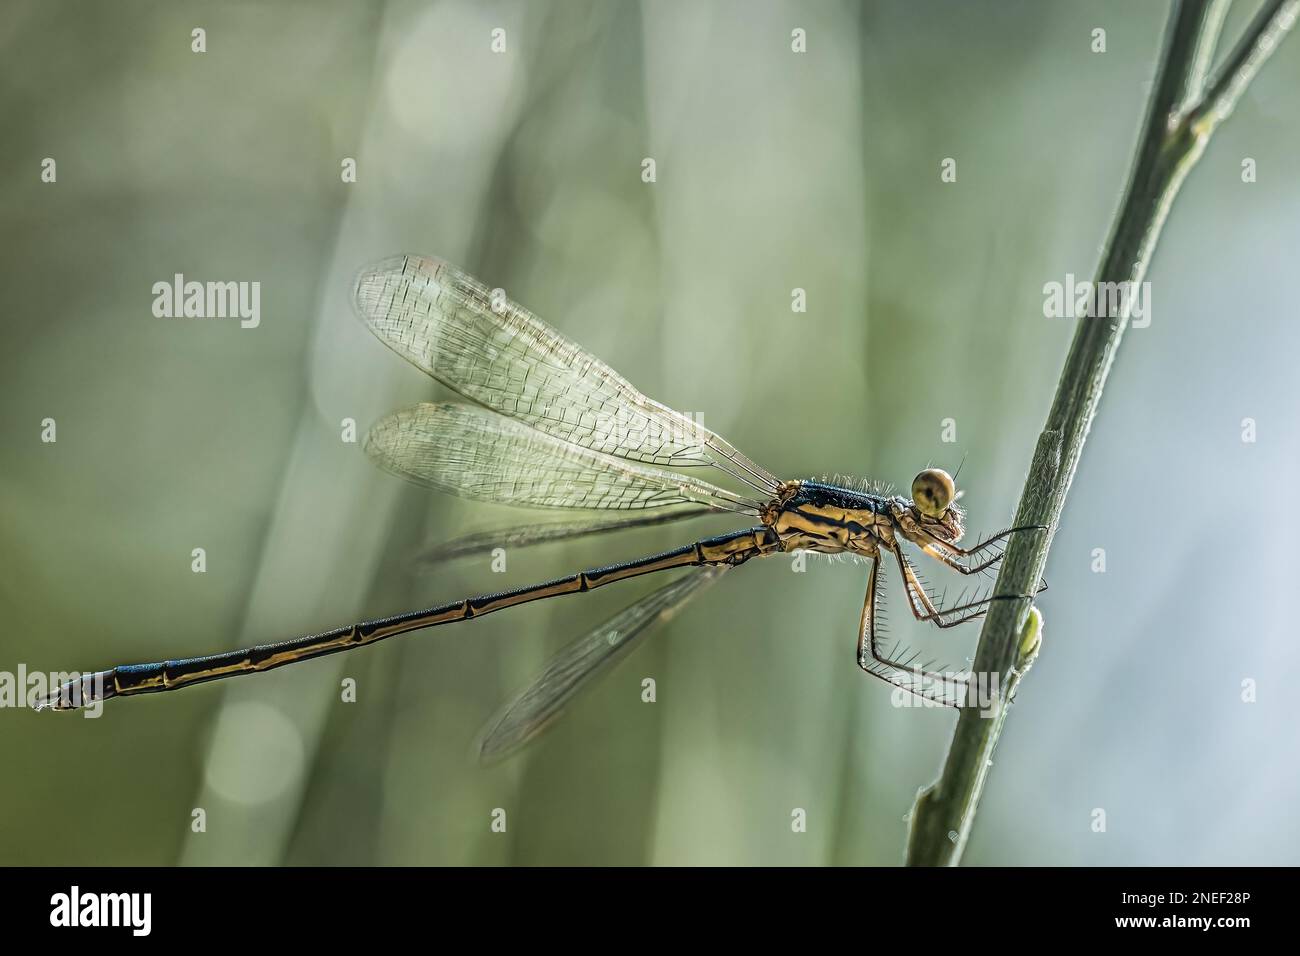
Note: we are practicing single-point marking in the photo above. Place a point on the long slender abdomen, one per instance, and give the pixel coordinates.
(129, 679)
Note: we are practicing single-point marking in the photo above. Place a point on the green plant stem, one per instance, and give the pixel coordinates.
(1184, 110)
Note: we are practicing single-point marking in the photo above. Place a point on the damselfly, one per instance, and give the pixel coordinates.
(555, 427)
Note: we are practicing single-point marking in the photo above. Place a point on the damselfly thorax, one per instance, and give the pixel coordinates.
(830, 519)
(554, 427)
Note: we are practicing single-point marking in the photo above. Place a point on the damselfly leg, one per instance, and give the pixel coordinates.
(948, 553)
(900, 667)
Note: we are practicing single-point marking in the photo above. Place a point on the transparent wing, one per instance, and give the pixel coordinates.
(475, 453)
(527, 535)
(500, 355)
(576, 667)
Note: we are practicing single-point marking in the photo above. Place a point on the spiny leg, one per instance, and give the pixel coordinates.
(946, 688)
(867, 623)
(922, 607)
(951, 561)
(987, 542)
(925, 610)
(947, 552)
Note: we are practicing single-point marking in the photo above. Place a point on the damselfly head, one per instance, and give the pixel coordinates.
(934, 496)
(933, 491)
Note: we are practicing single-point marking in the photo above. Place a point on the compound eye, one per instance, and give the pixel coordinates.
(933, 491)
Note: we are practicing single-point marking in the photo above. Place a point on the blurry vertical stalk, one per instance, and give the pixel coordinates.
(585, 98)
(846, 844)
(1184, 111)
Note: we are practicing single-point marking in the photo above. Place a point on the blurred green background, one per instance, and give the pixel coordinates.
(775, 171)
